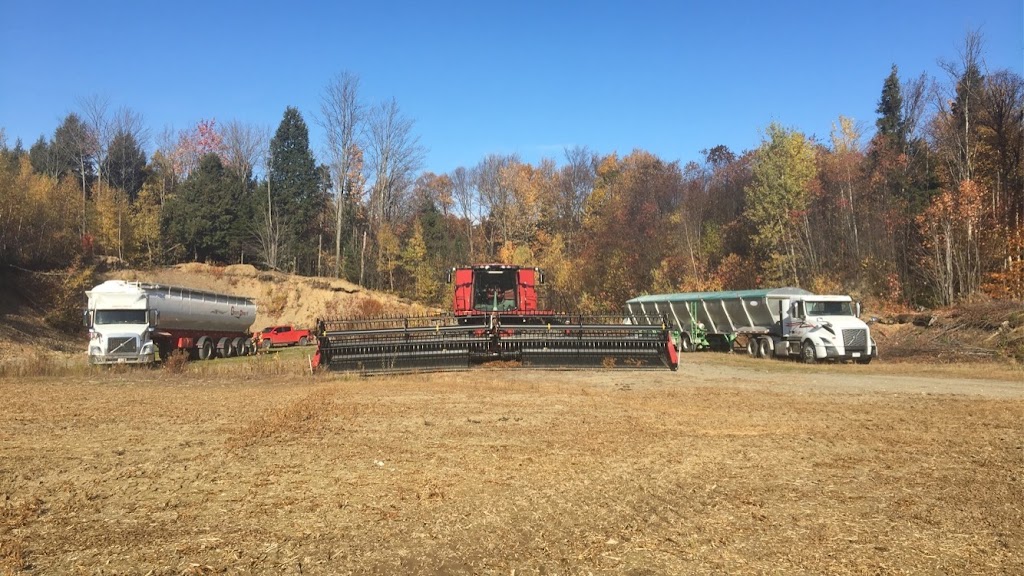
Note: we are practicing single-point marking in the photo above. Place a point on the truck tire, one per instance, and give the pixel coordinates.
(685, 344)
(807, 352)
(204, 348)
(224, 349)
(266, 344)
(237, 346)
(764, 348)
(864, 360)
(247, 347)
(302, 341)
(752, 347)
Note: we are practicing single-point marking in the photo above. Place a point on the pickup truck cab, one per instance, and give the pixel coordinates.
(282, 336)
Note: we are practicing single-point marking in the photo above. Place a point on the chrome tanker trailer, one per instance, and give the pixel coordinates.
(779, 322)
(132, 322)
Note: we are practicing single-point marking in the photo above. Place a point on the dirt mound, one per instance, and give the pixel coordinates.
(972, 332)
(280, 299)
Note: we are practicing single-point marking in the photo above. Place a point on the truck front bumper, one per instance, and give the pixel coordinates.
(832, 353)
(115, 359)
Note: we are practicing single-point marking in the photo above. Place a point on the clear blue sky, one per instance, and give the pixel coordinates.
(482, 77)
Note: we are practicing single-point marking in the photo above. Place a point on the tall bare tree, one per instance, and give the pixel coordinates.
(464, 197)
(95, 113)
(394, 156)
(244, 145)
(340, 117)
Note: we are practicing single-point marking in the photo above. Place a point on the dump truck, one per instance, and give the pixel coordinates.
(496, 317)
(780, 322)
(135, 322)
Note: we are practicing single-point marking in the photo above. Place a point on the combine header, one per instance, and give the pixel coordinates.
(494, 319)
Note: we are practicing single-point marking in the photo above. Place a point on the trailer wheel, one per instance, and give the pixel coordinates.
(685, 344)
(247, 347)
(237, 347)
(204, 348)
(807, 352)
(764, 348)
(752, 347)
(224, 349)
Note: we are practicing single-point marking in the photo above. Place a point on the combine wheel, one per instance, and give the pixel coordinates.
(764, 348)
(204, 348)
(224, 349)
(807, 352)
(685, 344)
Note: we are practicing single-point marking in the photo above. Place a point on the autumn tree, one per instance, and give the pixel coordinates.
(777, 202)
(38, 217)
(623, 228)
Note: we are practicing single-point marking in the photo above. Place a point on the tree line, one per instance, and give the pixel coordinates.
(928, 209)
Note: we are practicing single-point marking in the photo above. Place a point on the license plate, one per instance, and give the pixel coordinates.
(856, 354)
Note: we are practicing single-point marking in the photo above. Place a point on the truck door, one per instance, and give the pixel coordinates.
(796, 323)
(527, 288)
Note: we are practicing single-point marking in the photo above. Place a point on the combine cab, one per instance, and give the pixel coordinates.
(495, 318)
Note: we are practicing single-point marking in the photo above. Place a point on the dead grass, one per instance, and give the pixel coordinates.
(729, 466)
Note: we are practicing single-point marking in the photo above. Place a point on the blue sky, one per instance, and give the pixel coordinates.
(477, 78)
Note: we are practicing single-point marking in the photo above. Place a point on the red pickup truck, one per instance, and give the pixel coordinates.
(282, 336)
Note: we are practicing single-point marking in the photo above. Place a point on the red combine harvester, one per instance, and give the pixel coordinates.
(495, 318)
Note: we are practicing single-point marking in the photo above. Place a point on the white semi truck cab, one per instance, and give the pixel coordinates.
(823, 327)
(121, 325)
(134, 323)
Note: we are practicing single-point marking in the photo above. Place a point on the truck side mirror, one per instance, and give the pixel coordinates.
(87, 319)
(448, 276)
(540, 276)
(856, 308)
(154, 318)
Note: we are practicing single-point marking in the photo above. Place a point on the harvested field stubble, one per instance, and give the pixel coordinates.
(493, 472)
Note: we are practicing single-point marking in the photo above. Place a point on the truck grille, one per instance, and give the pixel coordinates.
(855, 339)
(129, 345)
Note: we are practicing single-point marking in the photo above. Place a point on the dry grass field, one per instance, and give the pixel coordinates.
(731, 465)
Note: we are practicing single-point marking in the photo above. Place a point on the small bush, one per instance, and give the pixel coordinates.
(176, 362)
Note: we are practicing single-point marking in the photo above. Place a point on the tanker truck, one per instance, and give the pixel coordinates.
(778, 322)
(132, 322)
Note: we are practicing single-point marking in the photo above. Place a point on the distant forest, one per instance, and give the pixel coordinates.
(926, 209)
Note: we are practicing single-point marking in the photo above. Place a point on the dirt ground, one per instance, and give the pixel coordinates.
(731, 465)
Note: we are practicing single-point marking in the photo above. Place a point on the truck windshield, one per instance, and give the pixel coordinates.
(120, 317)
(829, 309)
(494, 290)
